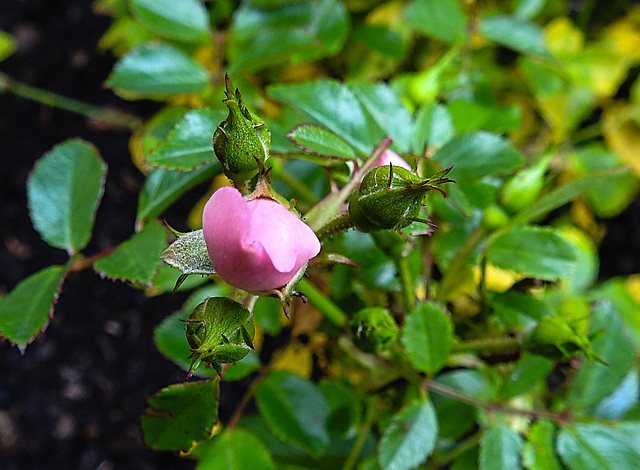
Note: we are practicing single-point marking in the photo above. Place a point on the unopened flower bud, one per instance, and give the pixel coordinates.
(374, 330)
(390, 198)
(218, 332)
(242, 141)
(256, 245)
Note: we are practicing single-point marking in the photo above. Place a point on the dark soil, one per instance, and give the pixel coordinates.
(73, 400)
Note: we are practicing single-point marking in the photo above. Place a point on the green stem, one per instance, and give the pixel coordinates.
(406, 282)
(68, 104)
(454, 272)
(559, 417)
(301, 189)
(331, 206)
(363, 433)
(487, 345)
(341, 223)
(329, 309)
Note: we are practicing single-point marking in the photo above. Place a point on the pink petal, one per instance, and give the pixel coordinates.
(390, 157)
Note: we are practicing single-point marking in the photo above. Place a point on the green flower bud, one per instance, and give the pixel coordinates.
(523, 188)
(390, 198)
(242, 141)
(555, 337)
(374, 330)
(219, 330)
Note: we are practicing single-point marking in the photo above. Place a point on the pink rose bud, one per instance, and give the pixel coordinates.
(255, 245)
(390, 157)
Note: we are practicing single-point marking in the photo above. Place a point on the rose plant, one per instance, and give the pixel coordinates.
(489, 342)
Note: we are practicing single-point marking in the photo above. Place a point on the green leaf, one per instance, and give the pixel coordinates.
(156, 71)
(517, 34)
(384, 105)
(64, 191)
(410, 438)
(455, 418)
(188, 145)
(476, 155)
(594, 381)
(434, 126)
(527, 9)
(236, 449)
(613, 196)
(181, 415)
(137, 259)
(539, 452)
(500, 448)
(538, 252)
(186, 20)
(517, 308)
(622, 400)
(469, 116)
(443, 19)
(615, 291)
(321, 142)
(594, 446)
(381, 39)
(163, 187)
(567, 193)
(528, 371)
(305, 30)
(7, 46)
(25, 311)
(242, 368)
(295, 410)
(334, 106)
(427, 337)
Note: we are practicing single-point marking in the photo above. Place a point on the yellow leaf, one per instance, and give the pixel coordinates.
(632, 284)
(497, 279)
(622, 134)
(561, 37)
(623, 38)
(294, 358)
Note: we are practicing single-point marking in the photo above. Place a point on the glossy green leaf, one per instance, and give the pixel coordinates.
(163, 187)
(304, 30)
(7, 46)
(614, 195)
(186, 20)
(295, 410)
(334, 106)
(528, 371)
(410, 438)
(381, 39)
(25, 311)
(517, 308)
(595, 446)
(469, 116)
(434, 126)
(517, 34)
(443, 19)
(539, 449)
(535, 251)
(454, 417)
(567, 193)
(594, 380)
(384, 105)
(181, 415)
(615, 291)
(137, 259)
(156, 71)
(500, 449)
(188, 145)
(236, 449)
(622, 400)
(476, 155)
(427, 337)
(64, 191)
(321, 142)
